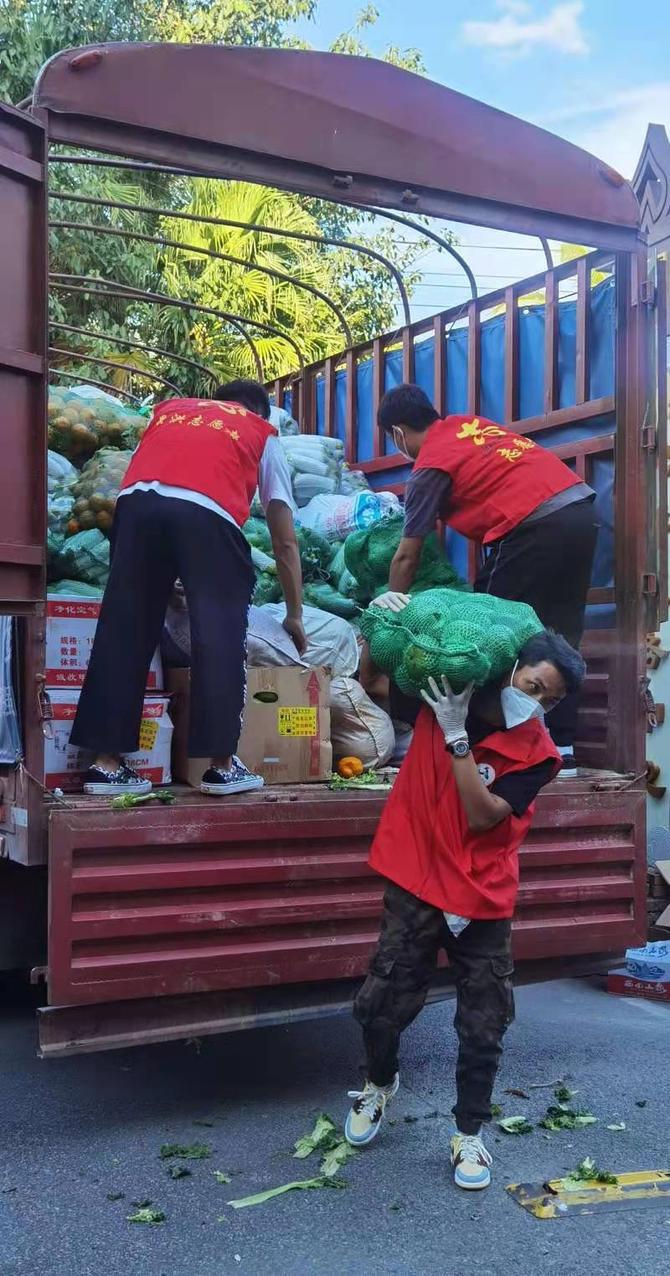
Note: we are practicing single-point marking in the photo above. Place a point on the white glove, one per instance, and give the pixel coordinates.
(391, 601)
(450, 710)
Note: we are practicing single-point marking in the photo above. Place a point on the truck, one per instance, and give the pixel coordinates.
(210, 916)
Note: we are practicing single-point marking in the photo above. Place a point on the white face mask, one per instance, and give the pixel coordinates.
(518, 706)
(399, 440)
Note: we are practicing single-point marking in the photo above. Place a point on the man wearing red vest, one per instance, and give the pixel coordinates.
(448, 845)
(531, 514)
(186, 495)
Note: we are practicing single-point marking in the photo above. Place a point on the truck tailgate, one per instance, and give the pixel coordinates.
(273, 888)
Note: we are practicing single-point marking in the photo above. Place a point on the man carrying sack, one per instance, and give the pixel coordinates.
(532, 515)
(447, 845)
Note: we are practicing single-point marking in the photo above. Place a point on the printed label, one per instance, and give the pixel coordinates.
(298, 721)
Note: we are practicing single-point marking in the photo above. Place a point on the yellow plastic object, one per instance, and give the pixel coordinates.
(350, 768)
(638, 1190)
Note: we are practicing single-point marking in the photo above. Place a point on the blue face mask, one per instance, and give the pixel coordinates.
(518, 706)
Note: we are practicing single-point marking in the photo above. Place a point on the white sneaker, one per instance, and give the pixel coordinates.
(471, 1161)
(367, 1110)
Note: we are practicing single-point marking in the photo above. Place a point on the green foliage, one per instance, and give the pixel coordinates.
(32, 31)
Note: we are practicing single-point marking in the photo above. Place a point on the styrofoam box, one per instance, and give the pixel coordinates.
(65, 765)
(651, 962)
(70, 631)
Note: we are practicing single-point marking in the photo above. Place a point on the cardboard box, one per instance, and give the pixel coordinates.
(65, 766)
(623, 984)
(649, 963)
(285, 732)
(70, 631)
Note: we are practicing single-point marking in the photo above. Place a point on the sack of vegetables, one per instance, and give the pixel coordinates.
(96, 490)
(81, 423)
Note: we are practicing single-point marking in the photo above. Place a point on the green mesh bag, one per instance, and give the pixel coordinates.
(267, 590)
(467, 637)
(368, 555)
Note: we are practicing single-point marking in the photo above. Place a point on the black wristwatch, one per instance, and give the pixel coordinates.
(459, 748)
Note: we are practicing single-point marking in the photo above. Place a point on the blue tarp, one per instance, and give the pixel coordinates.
(531, 401)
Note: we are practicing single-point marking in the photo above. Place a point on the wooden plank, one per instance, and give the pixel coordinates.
(407, 355)
(661, 544)
(20, 165)
(279, 392)
(533, 425)
(350, 431)
(378, 436)
(583, 361)
(550, 343)
(21, 360)
(308, 402)
(296, 400)
(329, 397)
(474, 358)
(511, 356)
(439, 365)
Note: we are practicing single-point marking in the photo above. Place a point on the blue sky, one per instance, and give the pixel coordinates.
(595, 71)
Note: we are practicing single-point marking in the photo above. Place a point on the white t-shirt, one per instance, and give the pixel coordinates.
(274, 484)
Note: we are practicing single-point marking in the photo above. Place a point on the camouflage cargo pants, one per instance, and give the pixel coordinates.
(395, 990)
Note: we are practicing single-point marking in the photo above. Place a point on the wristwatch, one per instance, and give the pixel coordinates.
(459, 748)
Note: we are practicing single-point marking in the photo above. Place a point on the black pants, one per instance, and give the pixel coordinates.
(157, 540)
(400, 975)
(548, 564)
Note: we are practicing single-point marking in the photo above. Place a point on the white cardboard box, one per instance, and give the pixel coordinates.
(70, 631)
(65, 766)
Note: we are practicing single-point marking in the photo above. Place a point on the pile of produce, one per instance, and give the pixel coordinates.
(83, 420)
(368, 555)
(466, 637)
(96, 490)
(315, 464)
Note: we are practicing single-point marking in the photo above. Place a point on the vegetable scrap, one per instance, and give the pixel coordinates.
(587, 1172)
(189, 1152)
(561, 1117)
(147, 1215)
(128, 800)
(300, 1185)
(515, 1125)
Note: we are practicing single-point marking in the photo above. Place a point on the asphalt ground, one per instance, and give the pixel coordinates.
(77, 1130)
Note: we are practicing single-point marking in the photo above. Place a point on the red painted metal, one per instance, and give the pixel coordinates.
(23, 342)
(252, 893)
(357, 126)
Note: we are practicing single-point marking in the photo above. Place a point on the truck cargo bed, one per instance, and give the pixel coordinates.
(272, 888)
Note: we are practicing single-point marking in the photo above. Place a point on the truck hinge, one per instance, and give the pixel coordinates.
(649, 438)
(647, 294)
(650, 584)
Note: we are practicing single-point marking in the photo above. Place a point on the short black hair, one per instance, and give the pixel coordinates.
(406, 405)
(555, 649)
(250, 394)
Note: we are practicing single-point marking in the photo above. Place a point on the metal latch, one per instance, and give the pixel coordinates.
(647, 292)
(649, 438)
(650, 585)
(649, 705)
(45, 710)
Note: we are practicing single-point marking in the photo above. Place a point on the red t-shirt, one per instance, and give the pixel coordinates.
(423, 842)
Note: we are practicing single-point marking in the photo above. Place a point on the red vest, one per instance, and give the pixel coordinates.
(423, 842)
(498, 477)
(205, 446)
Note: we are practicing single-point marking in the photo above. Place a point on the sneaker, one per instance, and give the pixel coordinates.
(568, 769)
(471, 1162)
(367, 1110)
(101, 783)
(217, 783)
